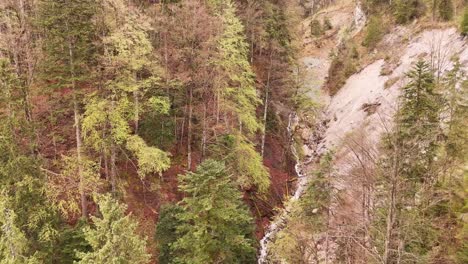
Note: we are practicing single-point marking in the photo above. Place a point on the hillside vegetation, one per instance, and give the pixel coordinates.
(233, 131)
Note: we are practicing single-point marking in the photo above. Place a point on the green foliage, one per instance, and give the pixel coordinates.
(456, 95)
(29, 222)
(446, 9)
(217, 228)
(69, 31)
(374, 32)
(113, 237)
(71, 241)
(236, 83)
(419, 122)
(307, 218)
(150, 159)
(409, 174)
(464, 23)
(344, 64)
(374, 7)
(327, 25)
(132, 73)
(316, 199)
(13, 242)
(407, 10)
(166, 232)
(67, 200)
(244, 162)
(316, 28)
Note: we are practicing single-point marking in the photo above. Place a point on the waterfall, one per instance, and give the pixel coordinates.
(281, 219)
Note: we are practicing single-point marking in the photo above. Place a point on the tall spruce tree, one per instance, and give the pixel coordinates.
(113, 237)
(236, 90)
(216, 227)
(68, 29)
(238, 98)
(28, 223)
(404, 221)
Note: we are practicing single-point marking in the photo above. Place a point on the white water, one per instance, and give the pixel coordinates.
(281, 219)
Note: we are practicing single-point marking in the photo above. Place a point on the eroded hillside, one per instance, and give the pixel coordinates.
(349, 126)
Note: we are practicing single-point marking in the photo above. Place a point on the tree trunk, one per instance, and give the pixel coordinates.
(265, 111)
(76, 113)
(204, 132)
(137, 110)
(391, 211)
(113, 169)
(189, 130)
(84, 211)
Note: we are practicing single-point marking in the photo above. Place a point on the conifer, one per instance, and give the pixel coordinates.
(113, 236)
(216, 226)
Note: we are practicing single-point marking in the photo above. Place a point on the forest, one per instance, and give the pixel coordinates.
(216, 131)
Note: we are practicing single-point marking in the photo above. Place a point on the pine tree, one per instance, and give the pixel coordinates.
(455, 86)
(13, 242)
(237, 97)
(408, 171)
(407, 10)
(216, 225)
(113, 237)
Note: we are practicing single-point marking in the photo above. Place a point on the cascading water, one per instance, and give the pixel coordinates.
(281, 219)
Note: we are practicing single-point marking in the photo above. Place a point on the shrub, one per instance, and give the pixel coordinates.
(315, 28)
(343, 65)
(327, 25)
(407, 10)
(464, 23)
(446, 9)
(374, 32)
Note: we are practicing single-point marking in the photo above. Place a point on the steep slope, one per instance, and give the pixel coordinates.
(354, 119)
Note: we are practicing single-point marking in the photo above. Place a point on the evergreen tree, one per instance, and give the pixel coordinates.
(238, 97)
(455, 89)
(419, 118)
(166, 232)
(405, 221)
(374, 32)
(113, 237)
(28, 223)
(69, 32)
(236, 89)
(464, 23)
(407, 10)
(216, 226)
(13, 242)
(243, 161)
(446, 9)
